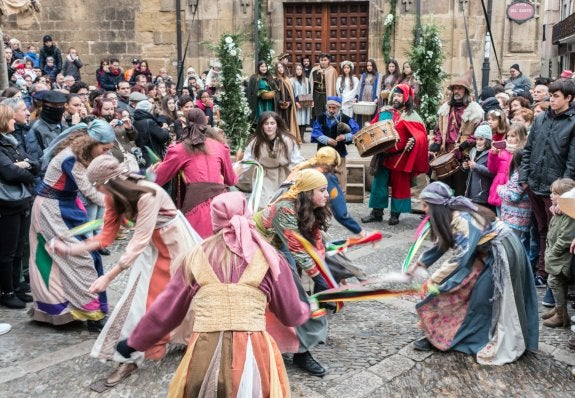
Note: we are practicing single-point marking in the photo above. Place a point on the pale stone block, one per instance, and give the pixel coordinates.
(391, 367)
(415, 355)
(358, 385)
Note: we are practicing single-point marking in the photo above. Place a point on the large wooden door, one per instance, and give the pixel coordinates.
(340, 29)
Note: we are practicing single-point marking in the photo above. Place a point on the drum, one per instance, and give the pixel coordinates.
(364, 108)
(376, 138)
(444, 165)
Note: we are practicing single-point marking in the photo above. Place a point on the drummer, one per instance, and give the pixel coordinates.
(335, 129)
(396, 166)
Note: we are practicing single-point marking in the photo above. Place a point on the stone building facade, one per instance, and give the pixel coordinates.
(147, 28)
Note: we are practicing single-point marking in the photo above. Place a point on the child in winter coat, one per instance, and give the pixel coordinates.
(497, 121)
(479, 178)
(515, 206)
(557, 252)
(50, 69)
(498, 161)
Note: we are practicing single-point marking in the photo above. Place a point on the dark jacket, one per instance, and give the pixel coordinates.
(45, 132)
(109, 81)
(550, 151)
(72, 68)
(479, 179)
(150, 134)
(28, 141)
(51, 51)
(12, 174)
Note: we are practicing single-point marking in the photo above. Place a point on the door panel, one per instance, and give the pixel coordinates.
(340, 29)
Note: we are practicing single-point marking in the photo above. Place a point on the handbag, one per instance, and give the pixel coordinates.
(14, 193)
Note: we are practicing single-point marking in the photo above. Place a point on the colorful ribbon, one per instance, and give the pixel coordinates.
(420, 234)
(84, 228)
(340, 246)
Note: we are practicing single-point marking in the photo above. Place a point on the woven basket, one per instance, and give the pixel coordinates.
(267, 95)
(364, 108)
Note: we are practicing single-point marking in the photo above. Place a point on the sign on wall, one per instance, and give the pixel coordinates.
(520, 11)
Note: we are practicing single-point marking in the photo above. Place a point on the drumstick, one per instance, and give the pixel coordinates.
(401, 156)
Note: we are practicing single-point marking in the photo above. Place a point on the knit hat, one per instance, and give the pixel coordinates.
(333, 100)
(144, 105)
(46, 38)
(566, 203)
(483, 131)
(567, 74)
(305, 180)
(464, 81)
(104, 168)
(135, 61)
(101, 131)
(516, 67)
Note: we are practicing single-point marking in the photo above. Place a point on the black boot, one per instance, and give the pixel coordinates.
(422, 345)
(375, 215)
(10, 300)
(393, 218)
(23, 296)
(96, 326)
(305, 361)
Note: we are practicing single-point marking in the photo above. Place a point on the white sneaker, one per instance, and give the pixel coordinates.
(573, 319)
(5, 328)
(573, 328)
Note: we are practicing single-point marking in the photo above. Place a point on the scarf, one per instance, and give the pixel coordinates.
(305, 180)
(195, 131)
(439, 193)
(231, 214)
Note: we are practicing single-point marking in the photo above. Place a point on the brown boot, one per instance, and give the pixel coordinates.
(549, 314)
(559, 320)
(120, 373)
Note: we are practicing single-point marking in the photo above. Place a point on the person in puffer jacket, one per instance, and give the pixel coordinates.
(479, 178)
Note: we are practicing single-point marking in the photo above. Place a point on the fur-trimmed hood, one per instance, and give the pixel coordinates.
(473, 111)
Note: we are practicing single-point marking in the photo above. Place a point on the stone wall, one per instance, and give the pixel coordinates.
(146, 28)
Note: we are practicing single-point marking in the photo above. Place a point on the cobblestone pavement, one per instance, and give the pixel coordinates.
(368, 353)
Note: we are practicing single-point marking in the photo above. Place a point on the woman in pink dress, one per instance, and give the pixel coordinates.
(207, 171)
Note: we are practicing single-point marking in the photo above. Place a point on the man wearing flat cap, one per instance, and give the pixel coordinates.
(284, 59)
(456, 122)
(49, 124)
(334, 128)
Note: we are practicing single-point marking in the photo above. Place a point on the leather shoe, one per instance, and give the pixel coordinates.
(96, 326)
(393, 218)
(305, 361)
(104, 252)
(422, 345)
(375, 215)
(120, 373)
(23, 296)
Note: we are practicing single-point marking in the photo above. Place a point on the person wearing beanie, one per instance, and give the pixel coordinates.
(336, 129)
(300, 215)
(149, 256)
(398, 165)
(61, 284)
(151, 132)
(457, 119)
(479, 178)
(49, 49)
(517, 83)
